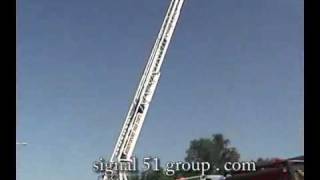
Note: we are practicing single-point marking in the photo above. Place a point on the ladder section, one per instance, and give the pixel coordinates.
(143, 96)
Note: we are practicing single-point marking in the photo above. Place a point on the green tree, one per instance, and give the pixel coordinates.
(155, 175)
(214, 150)
(134, 176)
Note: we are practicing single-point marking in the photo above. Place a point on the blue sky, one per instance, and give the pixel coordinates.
(233, 67)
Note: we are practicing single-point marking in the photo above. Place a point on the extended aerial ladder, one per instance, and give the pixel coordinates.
(134, 120)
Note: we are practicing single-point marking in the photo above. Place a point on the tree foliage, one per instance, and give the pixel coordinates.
(215, 150)
(155, 175)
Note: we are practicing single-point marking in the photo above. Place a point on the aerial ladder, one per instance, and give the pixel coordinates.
(134, 120)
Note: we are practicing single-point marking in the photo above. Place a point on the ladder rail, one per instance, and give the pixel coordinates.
(138, 92)
(127, 139)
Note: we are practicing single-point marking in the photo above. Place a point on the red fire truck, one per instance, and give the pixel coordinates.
(277, 169)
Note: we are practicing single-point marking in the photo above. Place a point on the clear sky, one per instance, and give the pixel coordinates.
(233, 67)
